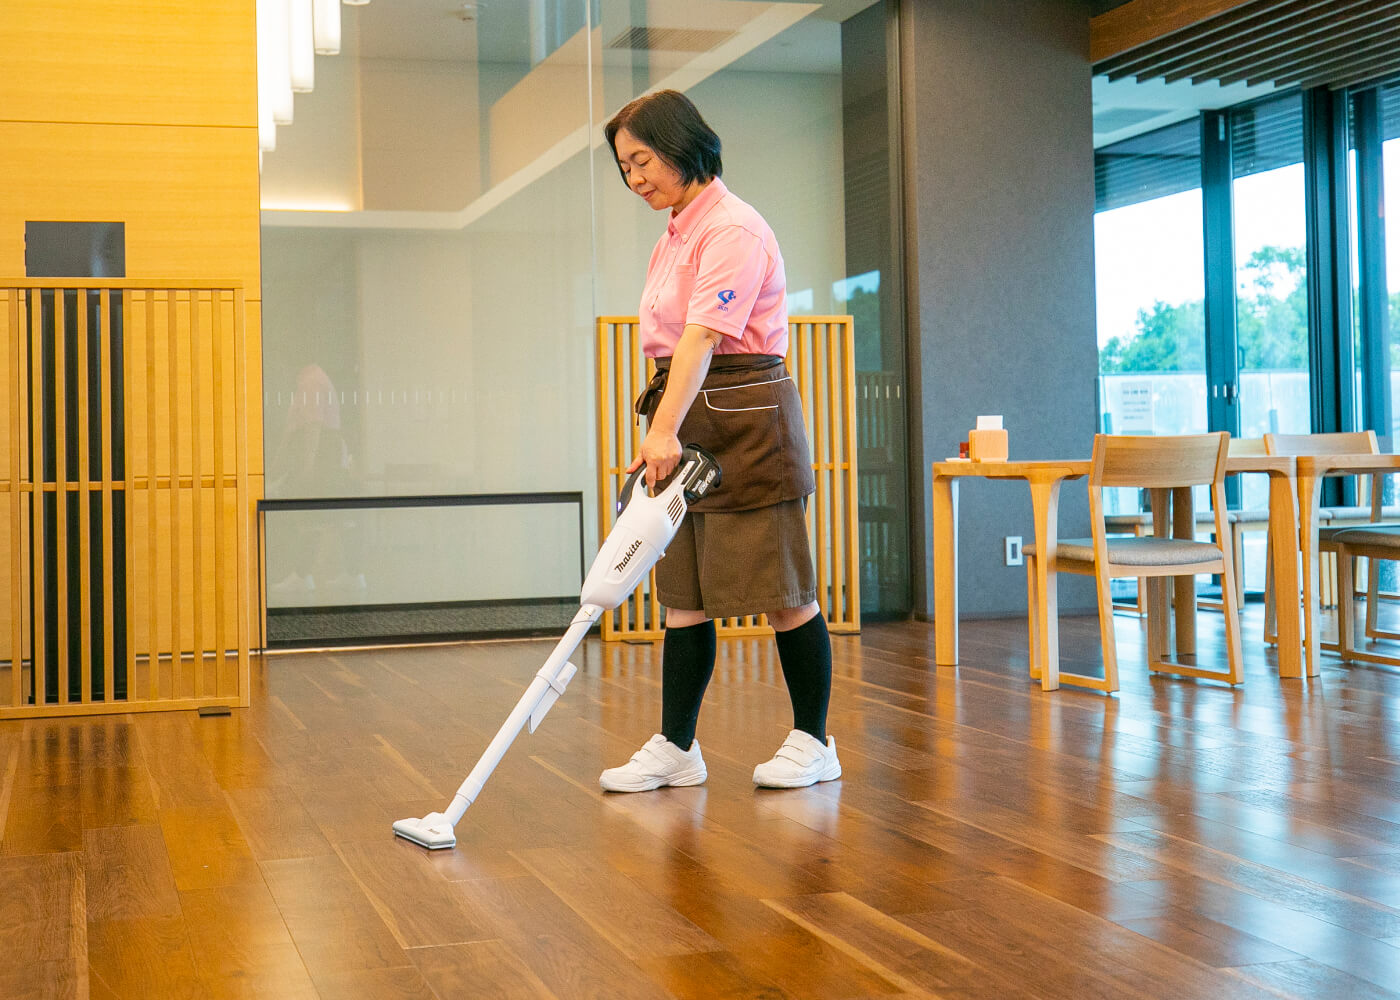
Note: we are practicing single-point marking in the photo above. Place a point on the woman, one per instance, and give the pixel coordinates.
(714, 316)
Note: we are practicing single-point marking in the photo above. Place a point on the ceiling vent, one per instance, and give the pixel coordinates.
(643, 39)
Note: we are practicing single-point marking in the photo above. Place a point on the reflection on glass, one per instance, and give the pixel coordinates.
(443, 223)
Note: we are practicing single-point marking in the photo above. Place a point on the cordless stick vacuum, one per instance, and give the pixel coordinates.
(645, 526)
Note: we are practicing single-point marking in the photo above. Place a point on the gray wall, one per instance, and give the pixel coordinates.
(999, 186)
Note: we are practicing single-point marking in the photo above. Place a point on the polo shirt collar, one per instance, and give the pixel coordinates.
(685, 222)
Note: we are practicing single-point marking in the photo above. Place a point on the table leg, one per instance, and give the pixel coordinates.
(945, 570)
(1283, 531)
(1045, 504)
(1309, 496)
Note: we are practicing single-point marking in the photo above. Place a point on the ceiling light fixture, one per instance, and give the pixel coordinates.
(301, 37)
(276, 21)
(267, 128)
(326, 27)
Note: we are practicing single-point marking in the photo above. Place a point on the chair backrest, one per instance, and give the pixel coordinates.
(1340, 443)
(1248, 446)
(1144, 462)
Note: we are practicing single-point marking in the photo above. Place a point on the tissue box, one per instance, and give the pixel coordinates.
(987, 445)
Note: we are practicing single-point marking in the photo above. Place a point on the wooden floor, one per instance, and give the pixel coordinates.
(1179, 840)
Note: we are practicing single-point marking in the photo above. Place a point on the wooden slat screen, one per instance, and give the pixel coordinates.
(125, 486)
(821, 358)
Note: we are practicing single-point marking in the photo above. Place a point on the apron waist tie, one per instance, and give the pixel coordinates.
(650, 397)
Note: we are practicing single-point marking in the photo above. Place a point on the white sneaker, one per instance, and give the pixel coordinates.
(799, 762)
(659, 762)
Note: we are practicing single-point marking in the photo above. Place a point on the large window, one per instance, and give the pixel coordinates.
(1150, 283)
(443, 222)
(1271, 289)
(1389, 292)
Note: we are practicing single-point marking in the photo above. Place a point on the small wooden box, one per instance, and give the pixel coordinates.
(987, 446)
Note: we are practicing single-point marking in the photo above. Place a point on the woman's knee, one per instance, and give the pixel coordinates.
(786, 619)
(676, 618)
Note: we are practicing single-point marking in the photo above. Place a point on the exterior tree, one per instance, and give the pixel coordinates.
(1271, 323)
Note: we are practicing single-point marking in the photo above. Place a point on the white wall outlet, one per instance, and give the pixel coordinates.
(1013, 550)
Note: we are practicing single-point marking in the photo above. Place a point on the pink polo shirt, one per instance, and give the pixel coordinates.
(717, 265)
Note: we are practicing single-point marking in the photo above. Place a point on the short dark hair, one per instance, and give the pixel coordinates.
(671, 125)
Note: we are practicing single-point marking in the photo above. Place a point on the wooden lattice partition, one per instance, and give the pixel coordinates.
(821, 358)
(124, 497)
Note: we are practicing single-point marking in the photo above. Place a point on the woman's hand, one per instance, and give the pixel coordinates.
(661, 452)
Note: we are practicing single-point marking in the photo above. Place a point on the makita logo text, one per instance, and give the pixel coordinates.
(631, 551)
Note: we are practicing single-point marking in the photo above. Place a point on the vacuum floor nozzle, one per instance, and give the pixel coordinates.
(433, 831)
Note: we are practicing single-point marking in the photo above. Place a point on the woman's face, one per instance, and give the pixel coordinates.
(658, 183)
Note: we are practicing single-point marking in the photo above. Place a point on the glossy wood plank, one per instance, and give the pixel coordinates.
(418, 906)
(145, 957)
(276, 824)
(569, 957)
(336, 929)
(9, 750)
(128, 874)
(488, 970)
(404, 983)
(987, 840)
(43, 927)
(893, 950)
(206, 847)
(637, 924)
(1303, 979)
(45, 820)
(241, 946)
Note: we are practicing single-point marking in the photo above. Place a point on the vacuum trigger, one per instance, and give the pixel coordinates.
(557, 684)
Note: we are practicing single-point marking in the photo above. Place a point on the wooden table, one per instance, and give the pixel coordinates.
(1312, 469)
(1295, 486)
(1044, 478)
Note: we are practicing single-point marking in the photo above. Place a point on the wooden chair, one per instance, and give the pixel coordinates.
(1374, 542)
(1169, 467)
(1339, 443)
(1240, 521)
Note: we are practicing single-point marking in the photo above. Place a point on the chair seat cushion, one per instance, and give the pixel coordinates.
(1377, 536)
(1148, 551)
(1355, 513)
(1252, 516)
(1333, 536)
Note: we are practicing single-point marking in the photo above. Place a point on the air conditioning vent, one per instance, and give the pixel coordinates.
(643, 39)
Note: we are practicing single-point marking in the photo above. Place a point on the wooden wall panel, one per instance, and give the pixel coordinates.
(146, 113)
(188, 196)
(164, 62)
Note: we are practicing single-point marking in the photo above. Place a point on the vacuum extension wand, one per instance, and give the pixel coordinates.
(645, 526)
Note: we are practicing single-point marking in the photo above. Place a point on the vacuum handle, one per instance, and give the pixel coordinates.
(699, 470)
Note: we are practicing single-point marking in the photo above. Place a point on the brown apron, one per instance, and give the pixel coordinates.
(749, 416)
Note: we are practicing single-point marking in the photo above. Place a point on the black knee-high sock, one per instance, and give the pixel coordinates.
(687, 663)
(805, 653)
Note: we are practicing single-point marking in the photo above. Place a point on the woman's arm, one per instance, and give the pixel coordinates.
(661, 448)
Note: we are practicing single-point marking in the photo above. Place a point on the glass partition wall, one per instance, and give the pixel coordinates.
(443, 222)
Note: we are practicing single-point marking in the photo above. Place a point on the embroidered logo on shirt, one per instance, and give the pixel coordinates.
(725, 297)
